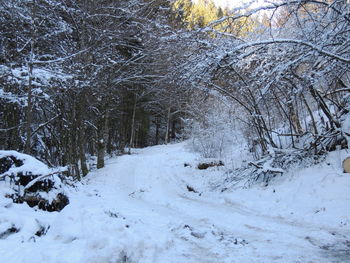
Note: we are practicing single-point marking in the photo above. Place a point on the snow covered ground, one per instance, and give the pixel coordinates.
(138, 209)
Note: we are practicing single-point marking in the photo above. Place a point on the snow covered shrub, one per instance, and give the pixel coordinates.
(31, 181)
(279, 161)
(209, 142)
(217, 133)
(270, 167)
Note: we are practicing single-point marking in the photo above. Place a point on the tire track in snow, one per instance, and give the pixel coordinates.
(163, 196)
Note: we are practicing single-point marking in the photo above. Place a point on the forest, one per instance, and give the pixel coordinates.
(85, 78)
(256, 90)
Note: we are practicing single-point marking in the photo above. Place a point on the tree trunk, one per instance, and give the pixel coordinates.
(29, 113)
(310, 113)
(132, 126)
(81, 133)
(157, 130)
(173, 132)
(167, 126)
(73, 146)
(82, 157)
(102, 139)
(324, 107)
(294, 118)
(100, 154)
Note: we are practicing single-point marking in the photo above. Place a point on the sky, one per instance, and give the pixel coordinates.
(237, 3)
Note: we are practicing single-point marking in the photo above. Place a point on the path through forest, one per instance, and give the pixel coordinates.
(138, 209)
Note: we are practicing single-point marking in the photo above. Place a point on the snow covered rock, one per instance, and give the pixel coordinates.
(346, 165)
(32, 181)
(204, 166)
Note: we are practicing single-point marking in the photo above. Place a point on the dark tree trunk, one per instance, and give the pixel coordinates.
(102, 138)
(157, 130)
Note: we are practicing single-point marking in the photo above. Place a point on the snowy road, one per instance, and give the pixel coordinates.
(138, 210)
